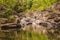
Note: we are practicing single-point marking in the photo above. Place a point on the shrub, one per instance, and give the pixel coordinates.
(8, 3)
(42, 4)
(11, 18)
(23, 5)
(7, 6)
(36, 4)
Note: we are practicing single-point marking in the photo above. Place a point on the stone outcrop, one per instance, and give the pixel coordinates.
(44, 21)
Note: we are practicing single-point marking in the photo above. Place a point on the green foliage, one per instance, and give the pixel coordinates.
(27, 35)
(8, 13)
(42, 4)
(8, 3)
(23, 35)
(6, 7)
(9, 7)
(11, 18)
(28, 3)
(36, 4)
(23, 5)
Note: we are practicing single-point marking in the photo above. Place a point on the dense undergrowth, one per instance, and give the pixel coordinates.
(10, 7)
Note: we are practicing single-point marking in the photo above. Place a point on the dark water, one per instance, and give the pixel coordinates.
(12, 35)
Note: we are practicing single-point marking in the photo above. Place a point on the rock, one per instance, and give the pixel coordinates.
(47, 19)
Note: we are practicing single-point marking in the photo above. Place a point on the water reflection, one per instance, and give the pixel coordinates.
(11, 35)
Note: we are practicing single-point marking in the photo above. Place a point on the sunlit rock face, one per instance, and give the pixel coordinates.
(45, 21)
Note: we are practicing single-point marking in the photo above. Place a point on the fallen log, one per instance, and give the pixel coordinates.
(10, 26)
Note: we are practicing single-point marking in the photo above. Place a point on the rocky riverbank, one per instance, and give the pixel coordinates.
(44, 21)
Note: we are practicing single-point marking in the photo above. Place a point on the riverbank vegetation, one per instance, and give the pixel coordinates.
(8, 8)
